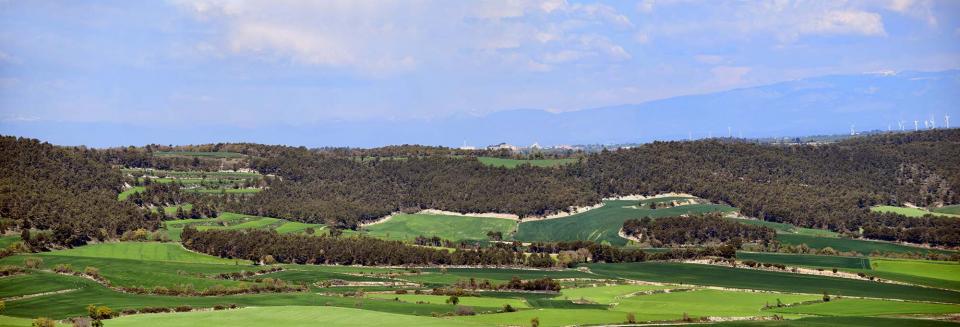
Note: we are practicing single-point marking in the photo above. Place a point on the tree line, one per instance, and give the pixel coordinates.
(700, 229)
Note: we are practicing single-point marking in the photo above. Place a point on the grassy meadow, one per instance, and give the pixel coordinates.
(602, 224)
(455, 228)
(916, 212)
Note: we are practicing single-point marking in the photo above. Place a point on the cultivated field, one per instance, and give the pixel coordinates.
(915, 212)
(455, 228)
(602, 224)
(807, 260)
(863, 247)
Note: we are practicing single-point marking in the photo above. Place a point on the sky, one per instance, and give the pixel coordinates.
(253, 64)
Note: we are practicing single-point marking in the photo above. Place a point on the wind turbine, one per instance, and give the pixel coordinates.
(729, 132)
(946, 121)
(916, 125)
(926, 124)
(933, 123)
(900, 123)
(852, 130)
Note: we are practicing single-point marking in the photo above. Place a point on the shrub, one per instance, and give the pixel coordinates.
(80, 322)
(7, 270)
(509, 308)
(219, 307)
(463, 310)
(92, 272)
(99, 312)
(631, 318)
(63, 268)
(43, 322)
(128, 311)
(183, 308)
(535, 322)
(400, 292)
(453, 300)
(33, 263)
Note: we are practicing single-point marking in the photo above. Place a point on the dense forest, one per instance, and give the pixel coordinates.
(695, 230)
(73, 190)
(65, 191)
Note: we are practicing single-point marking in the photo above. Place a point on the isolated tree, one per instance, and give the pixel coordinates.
(535, 322)
(631, 318)
(453, 300)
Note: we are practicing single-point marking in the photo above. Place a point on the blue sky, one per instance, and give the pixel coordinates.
(268, 63)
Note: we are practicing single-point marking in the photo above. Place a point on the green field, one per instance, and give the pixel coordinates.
(6, 241)
(606, 294)
(127, 193)
(807, 260)
(455, 228)
(863, 247)
(435, 276)
(198, 154)
(602, 224)
(671, 272)
(843, 321)
(912, 212)
(783, 228)
(945, 270)
(864, 307)
(478, 302)
(950, 209)
(548, 317)
(705, 303)
(513, 163)
(283, 316)
(147, 251)
(230, 220)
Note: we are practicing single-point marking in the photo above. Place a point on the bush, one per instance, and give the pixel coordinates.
(219, 307)
(43, 322)
(92, 272)
(33, 263)
(63, 268)
(154, 310)
(453, 300)
(463, 310)
(400, 292)
(128, 311)
(535, 322)
(509, 308)
(183, 308)
(7, 270)
(99, 312)
(631, 318)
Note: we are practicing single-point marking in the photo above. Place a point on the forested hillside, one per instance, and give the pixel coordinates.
(64, 190)
(819, 186)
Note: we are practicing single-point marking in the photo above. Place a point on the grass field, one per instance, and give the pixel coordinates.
(74, 303)
(950, 209)
(513, 163)
(843, 321)
(6, 241)
(602, 224)
(783, 228)
(842, 244)
(548, 317)
(807, 260)
(230, 220)
(479, 303)
(283, 316)
(35, 283)
(767, 280)
(946, 270)
(606, 294)
(455, 228)
(146, 251)
(864, 307)
(913, 212)
(198, 154)
(434, 276)
(127, 193)
(705, 303)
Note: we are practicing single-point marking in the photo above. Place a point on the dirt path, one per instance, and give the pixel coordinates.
(21, 297)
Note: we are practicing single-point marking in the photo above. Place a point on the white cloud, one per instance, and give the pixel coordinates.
(921, 9)
(845, 22)
(728, 76)
(389, 37)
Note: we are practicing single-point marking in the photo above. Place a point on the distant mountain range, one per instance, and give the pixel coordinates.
(821, 105)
